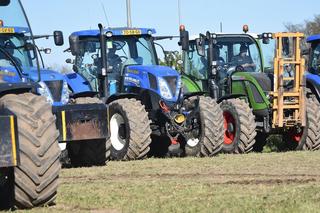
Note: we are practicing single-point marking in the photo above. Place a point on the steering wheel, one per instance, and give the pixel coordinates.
(239, 68)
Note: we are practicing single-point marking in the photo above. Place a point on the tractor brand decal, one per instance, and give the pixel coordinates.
(134, 81)
(7, 73)
(7, 30)
(133, 71)
(131, 32)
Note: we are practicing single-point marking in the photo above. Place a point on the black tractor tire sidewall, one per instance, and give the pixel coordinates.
(36, 178)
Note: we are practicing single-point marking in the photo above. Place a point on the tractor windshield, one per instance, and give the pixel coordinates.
(232, 52)
(16, 46)
(314, 61)
(16, 41)
(122, 51)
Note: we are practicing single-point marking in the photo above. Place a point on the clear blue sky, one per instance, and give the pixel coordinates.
(197, 15)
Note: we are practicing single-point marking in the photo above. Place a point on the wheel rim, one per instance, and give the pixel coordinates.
(193, 142)
(296, 136)
(229, 128)
(117, 130)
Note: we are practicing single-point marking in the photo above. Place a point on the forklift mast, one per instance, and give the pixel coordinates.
(289, 106)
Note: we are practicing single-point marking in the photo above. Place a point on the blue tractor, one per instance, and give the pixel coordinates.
(145, 100)
(313, 75)
(29, 151)
(80, 117)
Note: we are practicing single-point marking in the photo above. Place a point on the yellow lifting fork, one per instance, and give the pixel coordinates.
(289, 106)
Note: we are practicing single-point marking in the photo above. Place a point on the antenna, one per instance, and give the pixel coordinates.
(179, 12)
(105, 14)
(220, 26)
(129, 23)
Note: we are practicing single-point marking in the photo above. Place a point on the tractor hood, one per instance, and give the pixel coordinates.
(46, 75)
(159, 71)
(164, 81)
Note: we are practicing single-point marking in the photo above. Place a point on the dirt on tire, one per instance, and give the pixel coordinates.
(36, 178)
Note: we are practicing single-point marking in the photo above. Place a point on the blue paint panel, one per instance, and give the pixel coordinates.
(115, 31)
(77, 83)
(137, 76)
(313, 77)
(313, 38)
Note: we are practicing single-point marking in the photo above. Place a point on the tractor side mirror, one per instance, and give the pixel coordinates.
(285, 45)
(4, 2)
(200, 42)
(184, 38)
(58, 38)
(74, 45)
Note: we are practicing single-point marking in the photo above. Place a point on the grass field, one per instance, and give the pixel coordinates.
(269, 182)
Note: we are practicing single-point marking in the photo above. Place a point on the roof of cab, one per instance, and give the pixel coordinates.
(14, 30)
(313, 38)
(121, 31)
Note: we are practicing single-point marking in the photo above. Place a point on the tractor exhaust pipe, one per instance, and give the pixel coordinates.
(129, 22)
(104, 77)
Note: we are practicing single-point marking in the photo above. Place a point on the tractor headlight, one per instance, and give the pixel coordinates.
(164, 88)
(65, 95)
(44, 91)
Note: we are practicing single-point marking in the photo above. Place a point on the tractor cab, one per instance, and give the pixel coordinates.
(314, 56)
(231, 54)
(131, 58)
(313, 71)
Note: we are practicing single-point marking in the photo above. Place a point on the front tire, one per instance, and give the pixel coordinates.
(130, 130)
(211, 130)
(36, 178)
(239, 126)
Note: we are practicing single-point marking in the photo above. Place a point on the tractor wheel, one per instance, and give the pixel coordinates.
(239, 126)
(90, 152)
(211, 130)
(308, 138)
(261, 140)
(130, 130)
(36, 178)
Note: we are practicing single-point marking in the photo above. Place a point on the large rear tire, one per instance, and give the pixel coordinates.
(129, 129)
(210, 141)
(309, 137)
(36, 178)
(89, 152)
(239, 126)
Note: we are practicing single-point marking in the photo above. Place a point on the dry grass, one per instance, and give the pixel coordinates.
(270, 182)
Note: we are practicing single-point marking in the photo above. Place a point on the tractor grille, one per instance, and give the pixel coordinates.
(153, 81)
(55, 88)
(172, 83)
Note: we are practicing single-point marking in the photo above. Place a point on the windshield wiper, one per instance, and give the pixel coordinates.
(13, 61)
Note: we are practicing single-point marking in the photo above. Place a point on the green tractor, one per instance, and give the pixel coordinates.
(255, 101)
